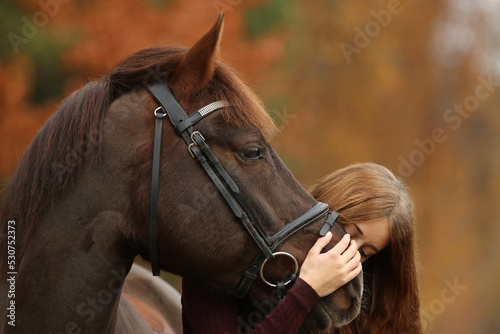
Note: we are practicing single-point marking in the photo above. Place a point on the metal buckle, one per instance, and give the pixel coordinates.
(197, 133)
(275, 254)
(189, 149)
(194, 142)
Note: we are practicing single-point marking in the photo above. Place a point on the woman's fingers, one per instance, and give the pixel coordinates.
(342, 244)
(321, 243)
(352, 268)
(351, 251)
(353, 262)
(355, 272)
(326, 272)
(346, 247)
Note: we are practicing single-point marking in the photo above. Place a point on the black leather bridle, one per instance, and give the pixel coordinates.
(199, 150)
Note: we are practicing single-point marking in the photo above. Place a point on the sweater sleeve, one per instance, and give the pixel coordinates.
(207, 314)
(291, 312)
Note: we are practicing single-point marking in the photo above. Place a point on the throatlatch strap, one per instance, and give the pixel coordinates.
(155, 177)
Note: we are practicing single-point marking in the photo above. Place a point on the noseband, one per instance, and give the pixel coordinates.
(199, 150)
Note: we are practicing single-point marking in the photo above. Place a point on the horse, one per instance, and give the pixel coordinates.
(79, 206)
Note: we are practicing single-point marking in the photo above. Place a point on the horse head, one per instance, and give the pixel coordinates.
(198, 235)
(80, 199)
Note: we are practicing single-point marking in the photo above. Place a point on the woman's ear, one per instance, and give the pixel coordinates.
(197, 66)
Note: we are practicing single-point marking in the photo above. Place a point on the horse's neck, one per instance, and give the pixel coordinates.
(69, 281)
(73, 268)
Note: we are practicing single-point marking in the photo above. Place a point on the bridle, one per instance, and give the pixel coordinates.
(199, 150)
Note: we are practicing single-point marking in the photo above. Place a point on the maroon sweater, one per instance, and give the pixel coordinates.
(203, 313)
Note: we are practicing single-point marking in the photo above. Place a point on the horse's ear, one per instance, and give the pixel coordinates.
(197, 66)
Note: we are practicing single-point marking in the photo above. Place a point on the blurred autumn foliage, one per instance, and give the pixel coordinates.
(49, 48)
(413, 85)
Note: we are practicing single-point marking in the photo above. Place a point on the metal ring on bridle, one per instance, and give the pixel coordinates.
(160, 108)
(275, 254)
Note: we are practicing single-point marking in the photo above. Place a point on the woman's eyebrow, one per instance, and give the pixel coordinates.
(359, 230)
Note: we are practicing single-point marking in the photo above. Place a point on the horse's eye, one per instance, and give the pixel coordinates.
(251, 153)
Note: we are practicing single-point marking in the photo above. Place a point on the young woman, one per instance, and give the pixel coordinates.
(376, 210)
(377, 213)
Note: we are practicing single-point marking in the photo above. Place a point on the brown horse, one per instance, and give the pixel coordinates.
(77, 207)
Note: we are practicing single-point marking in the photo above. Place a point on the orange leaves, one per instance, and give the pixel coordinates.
(91, 37)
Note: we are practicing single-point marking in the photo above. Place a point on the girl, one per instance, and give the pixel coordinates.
(376, 210)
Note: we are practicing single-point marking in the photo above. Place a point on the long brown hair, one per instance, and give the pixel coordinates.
(364, 192)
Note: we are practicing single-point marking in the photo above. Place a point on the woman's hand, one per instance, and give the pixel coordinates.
(327, 272)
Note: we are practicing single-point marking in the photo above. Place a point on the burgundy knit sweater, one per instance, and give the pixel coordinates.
(204, 313)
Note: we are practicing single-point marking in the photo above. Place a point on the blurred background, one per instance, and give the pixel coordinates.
(413, 85)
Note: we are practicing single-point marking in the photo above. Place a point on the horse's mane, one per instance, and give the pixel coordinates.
(73, 135)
